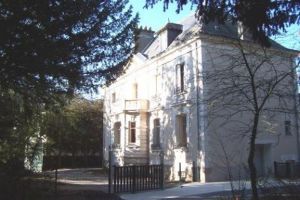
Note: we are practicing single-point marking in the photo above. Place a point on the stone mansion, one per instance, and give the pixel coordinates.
(184, 98)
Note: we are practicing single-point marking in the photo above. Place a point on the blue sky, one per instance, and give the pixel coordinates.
(156, 18)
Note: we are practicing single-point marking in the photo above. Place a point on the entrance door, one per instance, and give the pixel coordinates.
(262, 159)
(259, 159)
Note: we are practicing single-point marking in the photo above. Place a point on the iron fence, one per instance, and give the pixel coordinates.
(137, 178)
(287, 169)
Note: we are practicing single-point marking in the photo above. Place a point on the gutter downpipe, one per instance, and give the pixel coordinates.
(198, 115)
(296, 103)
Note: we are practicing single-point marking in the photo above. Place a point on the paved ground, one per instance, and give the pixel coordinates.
(186, 191)
(93, 180)
(79, 184)
(89, 184)
(74, 179)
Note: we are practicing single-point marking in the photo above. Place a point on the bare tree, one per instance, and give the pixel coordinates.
(248, 89)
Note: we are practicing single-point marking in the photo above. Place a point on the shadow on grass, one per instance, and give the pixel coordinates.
(42, 187)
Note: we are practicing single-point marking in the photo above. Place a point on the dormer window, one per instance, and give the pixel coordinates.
(168, 34)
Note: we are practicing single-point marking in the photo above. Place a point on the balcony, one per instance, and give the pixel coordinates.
(136, 105)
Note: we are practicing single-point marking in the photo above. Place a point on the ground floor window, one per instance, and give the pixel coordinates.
(181, 135)
(132, 132)
(117, 133)
(287, 127)
(156, 133)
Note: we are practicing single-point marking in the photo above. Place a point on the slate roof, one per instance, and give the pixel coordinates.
(192, 28)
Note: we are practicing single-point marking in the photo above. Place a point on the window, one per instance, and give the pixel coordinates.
(132, 132)
(117, 133)
(156, 133)
(157, 83)
(180, 78)
(113, 97)
(287, 127)
(181, 131)
(135, 91)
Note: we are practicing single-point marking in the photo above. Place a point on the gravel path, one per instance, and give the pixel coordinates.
(80, 184)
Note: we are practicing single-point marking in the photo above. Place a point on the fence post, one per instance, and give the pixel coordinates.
(133, 178)
(55, 184)
(56, 178)
(116, 176)
(287, 168)
(180, 172)
(109, 170)
(194, 170)
(275, 169)
(297, 170)
(162, 171)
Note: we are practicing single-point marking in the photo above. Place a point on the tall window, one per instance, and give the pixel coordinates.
(113, 97)
(180, 78)
(157, 83)
(117, 133)
(156, 133)
(287, 127)
(132, 132)
(181, 131)
(135, 91)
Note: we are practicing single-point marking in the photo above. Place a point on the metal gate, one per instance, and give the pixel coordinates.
(136, 178)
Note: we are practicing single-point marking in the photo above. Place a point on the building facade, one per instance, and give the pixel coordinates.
(170, 104)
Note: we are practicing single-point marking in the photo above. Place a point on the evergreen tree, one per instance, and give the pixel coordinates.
(49, 48)
(57, 46)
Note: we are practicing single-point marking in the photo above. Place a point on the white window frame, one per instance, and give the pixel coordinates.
(130, 129)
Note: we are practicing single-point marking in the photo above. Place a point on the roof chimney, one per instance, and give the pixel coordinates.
(145, 37)
(168, 34)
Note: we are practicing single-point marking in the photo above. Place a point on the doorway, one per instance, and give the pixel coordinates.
(262, 159)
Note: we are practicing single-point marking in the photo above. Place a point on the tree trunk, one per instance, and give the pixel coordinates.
(251, 156)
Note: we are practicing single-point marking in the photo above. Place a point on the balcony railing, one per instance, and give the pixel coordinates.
(137, 105)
